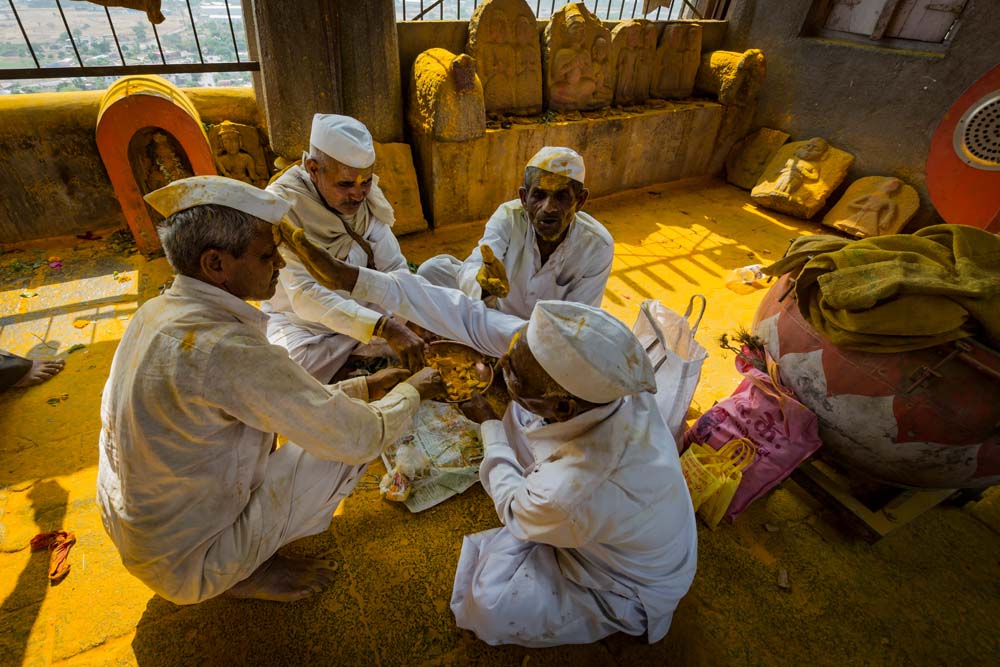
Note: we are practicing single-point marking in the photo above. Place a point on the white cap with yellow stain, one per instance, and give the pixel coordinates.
(199, 190)
(561, 161)
(343, 138)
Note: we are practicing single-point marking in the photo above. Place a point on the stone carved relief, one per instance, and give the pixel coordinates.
(747, 159)
(801, 176)
(632, 55)
(677, 59)
(158, 159)
(446, 96)
(874, 206)
(238, 153)
(576, 61)
(503, 38)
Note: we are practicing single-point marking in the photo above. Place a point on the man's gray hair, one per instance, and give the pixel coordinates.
(187, 234)
(324, 160)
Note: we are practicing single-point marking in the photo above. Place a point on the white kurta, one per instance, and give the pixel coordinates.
(189, 491)
(577, 271)
(599, 534)
(321, 327)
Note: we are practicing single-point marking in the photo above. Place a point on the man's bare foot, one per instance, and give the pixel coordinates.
(282, 579)
(40, 371)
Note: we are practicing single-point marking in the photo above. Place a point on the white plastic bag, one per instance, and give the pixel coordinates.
(677, 357)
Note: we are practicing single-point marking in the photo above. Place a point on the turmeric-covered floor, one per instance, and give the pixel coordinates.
(927, 594)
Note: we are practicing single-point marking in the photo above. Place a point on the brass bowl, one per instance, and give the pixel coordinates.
(466, 357)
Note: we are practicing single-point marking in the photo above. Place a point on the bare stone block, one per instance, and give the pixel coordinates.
(874, 206)
(576, 60)
(503, 38)
(747, 159)
(398, 180)
(731, 76)
(238, 153)
(801, 176)
(633, 49)
(677, 59)
(446, 96)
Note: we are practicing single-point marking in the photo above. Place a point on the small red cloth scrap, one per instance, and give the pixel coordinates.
(58, 542)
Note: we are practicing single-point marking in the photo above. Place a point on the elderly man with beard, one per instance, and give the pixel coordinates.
(192, 492)
(598, 533)
(337, 202)
(545, 246)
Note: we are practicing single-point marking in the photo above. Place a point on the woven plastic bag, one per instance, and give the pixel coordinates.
(783, 430)
(735, 457)
(676, 356)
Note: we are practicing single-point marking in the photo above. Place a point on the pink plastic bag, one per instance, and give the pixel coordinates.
(785, 432)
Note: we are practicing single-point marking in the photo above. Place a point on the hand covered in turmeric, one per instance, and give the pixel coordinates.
(492, 276)
(328, 272)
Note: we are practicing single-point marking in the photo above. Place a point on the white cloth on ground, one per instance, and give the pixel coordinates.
(321, 327)
(189, 412)
(577, 271)
(598, 503)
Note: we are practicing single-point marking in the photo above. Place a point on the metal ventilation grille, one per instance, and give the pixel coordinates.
(977, 135)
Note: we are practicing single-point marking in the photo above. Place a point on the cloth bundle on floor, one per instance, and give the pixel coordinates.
(899, 292)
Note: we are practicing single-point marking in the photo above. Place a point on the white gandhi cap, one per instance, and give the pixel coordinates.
(588, 351)
(199, 190)
(560, 160)
(343, 138)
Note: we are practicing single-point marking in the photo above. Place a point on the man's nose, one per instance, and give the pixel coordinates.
(550, 205)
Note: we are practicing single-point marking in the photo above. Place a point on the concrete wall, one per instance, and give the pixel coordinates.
(52, 179)
(880, 104)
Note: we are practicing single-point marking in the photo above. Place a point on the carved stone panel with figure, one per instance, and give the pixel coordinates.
(576, 60)
(800, 177)
(238, 153)
(157, 159)
(632, 55)
(874, 206)
(676, 62)
(503, 38)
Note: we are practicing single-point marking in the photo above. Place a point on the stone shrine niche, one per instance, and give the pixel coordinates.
(149, 134)
(676, 62)
(446, 96)
(633, 49)
(238, 153)
(800, 177)
(503, 39)
(874, 206)
(576, 60)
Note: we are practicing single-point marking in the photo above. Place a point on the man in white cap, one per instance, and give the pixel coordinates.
(191, 491)
(598, 530)
(545, 246)
(336, 200)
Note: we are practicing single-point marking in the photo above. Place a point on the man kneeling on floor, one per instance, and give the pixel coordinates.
(190, 491)
(598, 530)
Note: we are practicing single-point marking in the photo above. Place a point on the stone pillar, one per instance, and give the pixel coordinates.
(327, 56)
(369, 67)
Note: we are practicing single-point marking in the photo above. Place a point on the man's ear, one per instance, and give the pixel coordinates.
(565, 408)
(212, 266)
(582, 199)
(522, 192)
(312, 166)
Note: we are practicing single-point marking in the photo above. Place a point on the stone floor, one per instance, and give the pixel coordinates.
(927, 594)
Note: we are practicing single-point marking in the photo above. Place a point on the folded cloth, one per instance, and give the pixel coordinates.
(899, 292)
(58, 542)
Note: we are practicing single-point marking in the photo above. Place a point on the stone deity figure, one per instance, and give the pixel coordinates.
(874, 213)
(527, 61)
(627, 65)
(801, 167)
(598, 63)
(164, 166)
(232, 160)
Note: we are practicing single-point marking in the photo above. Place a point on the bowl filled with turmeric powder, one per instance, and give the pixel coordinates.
(463, 370)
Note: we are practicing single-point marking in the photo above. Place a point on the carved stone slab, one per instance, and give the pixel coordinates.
(503, 38)
(874, 206)
(633, 50)
(801, 176)
(576, 60)
(238, 153)
(676, 61)
(747, 159)
(446, 96)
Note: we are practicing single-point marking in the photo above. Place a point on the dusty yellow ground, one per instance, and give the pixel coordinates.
(928, 594)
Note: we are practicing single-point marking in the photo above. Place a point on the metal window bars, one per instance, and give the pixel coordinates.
(176, 11)
(608, 10)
